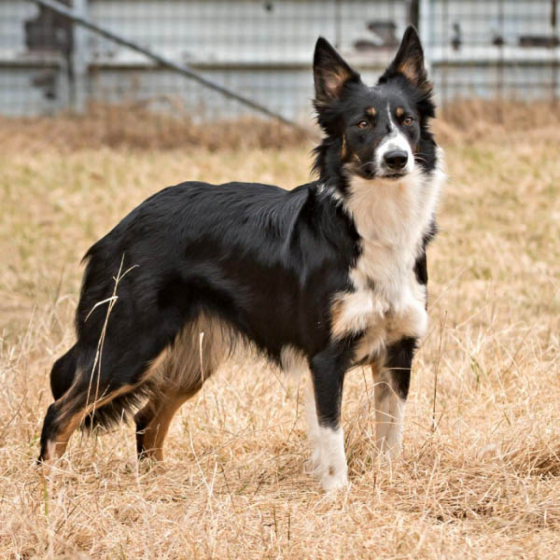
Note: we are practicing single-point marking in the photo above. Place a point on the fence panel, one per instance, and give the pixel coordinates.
(263, 50)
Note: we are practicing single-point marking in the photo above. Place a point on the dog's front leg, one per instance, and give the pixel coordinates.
(328, 458)
(392, 380)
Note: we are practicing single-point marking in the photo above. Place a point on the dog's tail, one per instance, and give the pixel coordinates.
(63, 374)
(118, 410)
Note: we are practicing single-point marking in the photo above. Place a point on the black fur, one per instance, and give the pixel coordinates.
(62, 374)
(399, 363)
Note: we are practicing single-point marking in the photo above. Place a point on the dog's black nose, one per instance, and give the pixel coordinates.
(396, 159)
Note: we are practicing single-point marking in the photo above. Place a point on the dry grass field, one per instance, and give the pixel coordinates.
(480, 473)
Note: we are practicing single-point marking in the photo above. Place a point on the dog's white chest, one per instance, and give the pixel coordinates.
(383, 312)
(387, 302)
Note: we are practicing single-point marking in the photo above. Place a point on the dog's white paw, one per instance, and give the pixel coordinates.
(333, 480)
(328, 461)
(331, 476)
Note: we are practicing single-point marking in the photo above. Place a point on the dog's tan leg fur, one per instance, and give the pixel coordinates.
(153, 434)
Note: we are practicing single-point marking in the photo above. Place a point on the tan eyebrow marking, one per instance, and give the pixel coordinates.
(399, 111)
(343, 151)
(371, 111)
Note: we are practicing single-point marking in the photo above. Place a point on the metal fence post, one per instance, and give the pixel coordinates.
(79, 60)
(413, 12)
(554, 48)
(426, 31)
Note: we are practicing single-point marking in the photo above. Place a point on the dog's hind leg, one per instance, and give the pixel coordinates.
(192, 359)
(152, 424)
(392, 381)
(123, 372)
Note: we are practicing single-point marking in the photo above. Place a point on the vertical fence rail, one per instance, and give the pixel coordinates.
(79, 60)
(554, 46)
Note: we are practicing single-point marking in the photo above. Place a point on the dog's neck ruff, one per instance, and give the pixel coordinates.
(329, 191)
(394, 215)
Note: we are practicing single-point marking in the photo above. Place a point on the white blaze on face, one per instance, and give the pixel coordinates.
(395, 140)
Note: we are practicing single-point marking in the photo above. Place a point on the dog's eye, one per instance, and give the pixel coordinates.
(407, 121)
(363, 124)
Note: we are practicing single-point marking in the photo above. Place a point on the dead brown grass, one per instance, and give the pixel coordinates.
(470, 121)
(481, 481)
(135, 127)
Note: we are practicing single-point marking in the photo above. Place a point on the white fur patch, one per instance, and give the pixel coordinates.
(392, 217)
(395, 141)
(329, 191)
(293, 361)
(328, 458)
(389, 416)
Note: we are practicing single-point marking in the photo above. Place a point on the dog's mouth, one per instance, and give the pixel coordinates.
(369, 172)
(393, 175)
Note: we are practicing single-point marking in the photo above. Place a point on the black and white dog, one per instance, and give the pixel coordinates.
(324, 277)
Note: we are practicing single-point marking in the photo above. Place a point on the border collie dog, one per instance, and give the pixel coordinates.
(325, 277)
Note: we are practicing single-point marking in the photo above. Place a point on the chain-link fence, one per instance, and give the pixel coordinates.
(262, 51)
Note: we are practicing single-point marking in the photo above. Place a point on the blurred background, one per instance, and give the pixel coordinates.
(261, 51)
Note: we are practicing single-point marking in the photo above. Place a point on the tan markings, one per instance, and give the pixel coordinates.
(156, 430)
(399, 111)
(336, 318)
(56, 448)
(293, 361)
(354, 312)
(67, 411)
(334, 81)
(156, 362)
(372, 343)
(371, 111)
(389, 413)
(376, 368)
(196, 353)
(412, 69)
(343, 150)
(72, 413)
(175, 375)
(409, 68)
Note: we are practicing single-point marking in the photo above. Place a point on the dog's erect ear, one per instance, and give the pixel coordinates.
(409, 61)
(330, 73)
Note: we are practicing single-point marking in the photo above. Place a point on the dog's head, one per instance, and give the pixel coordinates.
(374, 131)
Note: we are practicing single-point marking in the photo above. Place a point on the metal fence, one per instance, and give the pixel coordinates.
(262, 50)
